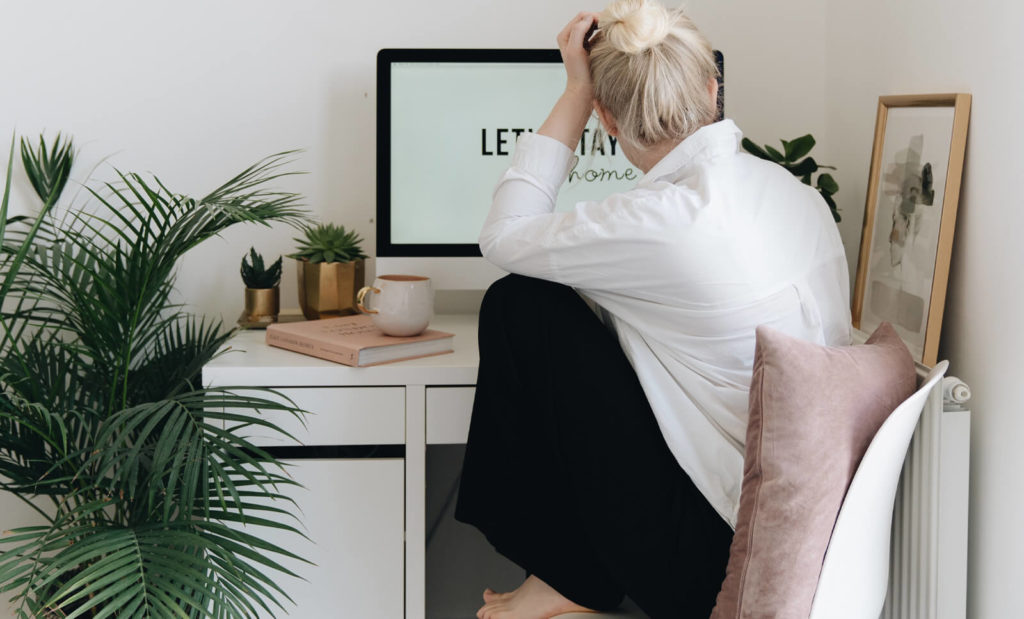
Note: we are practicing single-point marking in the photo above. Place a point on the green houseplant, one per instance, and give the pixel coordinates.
(262, 292)
(795, 157)
(331, 270)
(142, 479)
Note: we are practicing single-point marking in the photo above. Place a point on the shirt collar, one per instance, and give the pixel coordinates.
(720, 138)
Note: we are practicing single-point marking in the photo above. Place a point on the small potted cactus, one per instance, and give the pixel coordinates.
(331, 270)
(262, 292)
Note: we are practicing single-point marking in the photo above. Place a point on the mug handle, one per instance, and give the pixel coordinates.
(359, 299)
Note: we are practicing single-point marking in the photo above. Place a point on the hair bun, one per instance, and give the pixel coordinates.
(633, 26)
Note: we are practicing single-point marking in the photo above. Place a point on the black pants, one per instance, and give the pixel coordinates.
(566, 471)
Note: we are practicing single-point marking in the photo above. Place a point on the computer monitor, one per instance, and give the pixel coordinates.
(447, 122)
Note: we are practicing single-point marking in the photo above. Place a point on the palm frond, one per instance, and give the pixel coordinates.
(246, 198)
(48, 169)
(153, 570)
(5, 198)
(173, 361)
(176, 454)
(13, 262)
(13, 257)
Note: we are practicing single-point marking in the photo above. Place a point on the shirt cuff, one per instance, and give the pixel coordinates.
(544, 158)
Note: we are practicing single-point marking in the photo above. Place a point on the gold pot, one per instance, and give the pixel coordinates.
(262, 304)
(329, 289)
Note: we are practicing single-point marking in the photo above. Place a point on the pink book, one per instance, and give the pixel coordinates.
(354, 340)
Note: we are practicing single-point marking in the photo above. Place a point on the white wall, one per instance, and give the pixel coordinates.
(774, 75)
(877, 47)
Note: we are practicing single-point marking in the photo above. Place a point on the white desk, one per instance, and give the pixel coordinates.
(365, 511)
(367, 514)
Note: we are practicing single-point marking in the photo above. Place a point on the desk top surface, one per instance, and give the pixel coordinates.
(246, 360)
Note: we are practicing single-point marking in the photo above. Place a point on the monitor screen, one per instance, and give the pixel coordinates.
(447, 123)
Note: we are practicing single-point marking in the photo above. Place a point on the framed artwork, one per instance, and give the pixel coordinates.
(913, 191)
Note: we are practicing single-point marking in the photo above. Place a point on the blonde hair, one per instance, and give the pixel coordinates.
(651, 68)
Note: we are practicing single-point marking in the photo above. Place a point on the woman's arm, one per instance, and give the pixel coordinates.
(598, 244)
(540, 164)
(569, 116)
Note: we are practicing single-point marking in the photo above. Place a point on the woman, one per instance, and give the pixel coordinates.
(605, 458)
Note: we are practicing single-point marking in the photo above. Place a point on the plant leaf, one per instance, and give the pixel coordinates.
(754, 149)
(827, 184)
(799, 147)
(774, 155)
(806, 166)
(48, 170)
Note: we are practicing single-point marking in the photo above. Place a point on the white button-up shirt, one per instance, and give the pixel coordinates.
(710, 244)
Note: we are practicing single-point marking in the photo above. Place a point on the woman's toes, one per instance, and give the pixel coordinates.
(486, 612)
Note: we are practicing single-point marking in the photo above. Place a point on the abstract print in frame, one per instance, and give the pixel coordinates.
(913, 191)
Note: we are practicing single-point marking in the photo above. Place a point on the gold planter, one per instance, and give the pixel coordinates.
(262, 304)
(328, 289)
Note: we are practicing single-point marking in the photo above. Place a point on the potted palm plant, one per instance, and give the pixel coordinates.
(262, 291)
(331, 270)
(149, 495)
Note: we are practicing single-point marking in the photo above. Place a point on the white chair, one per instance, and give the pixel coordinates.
(855, 574)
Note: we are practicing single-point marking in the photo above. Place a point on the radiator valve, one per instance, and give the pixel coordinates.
(955, 391)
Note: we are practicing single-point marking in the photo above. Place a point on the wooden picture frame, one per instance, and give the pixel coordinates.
(913, 192)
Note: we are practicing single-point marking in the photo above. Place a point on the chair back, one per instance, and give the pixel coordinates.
(855, 573)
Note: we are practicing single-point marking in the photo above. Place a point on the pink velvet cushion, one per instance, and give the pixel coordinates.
(813, 412)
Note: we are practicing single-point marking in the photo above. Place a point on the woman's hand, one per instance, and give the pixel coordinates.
(573, 109)
(575, 58)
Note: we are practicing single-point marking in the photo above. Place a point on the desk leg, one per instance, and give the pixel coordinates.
(415, 500)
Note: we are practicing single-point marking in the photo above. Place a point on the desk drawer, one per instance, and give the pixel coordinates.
(339, 416)
(448, 412)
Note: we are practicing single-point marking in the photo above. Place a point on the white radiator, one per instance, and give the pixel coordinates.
(928, 565)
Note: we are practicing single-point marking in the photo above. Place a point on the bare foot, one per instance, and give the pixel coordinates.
(534, 599)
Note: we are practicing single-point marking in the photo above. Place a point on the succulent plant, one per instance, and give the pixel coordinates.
(328, 243)
(256, 275)
(795, 160)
